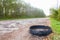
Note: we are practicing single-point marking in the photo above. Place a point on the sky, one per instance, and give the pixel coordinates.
(43, 4)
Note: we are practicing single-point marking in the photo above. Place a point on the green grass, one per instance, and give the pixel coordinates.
(8, 18)
(56, 29)
(55, 26)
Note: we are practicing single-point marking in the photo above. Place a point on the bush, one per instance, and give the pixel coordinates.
(55, 14)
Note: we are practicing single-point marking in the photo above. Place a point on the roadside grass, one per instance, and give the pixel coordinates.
(56, 29)
(7, 18)
(55, 26)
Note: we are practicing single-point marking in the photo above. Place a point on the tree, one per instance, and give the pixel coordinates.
(9, 7)
(55, 13)
(15, 9)
(35, 12)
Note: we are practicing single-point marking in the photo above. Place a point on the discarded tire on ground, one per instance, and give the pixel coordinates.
(40, 30)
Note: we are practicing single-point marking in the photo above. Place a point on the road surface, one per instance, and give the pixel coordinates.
(19, 29)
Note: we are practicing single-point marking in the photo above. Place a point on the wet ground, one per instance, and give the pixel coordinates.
(19, 29)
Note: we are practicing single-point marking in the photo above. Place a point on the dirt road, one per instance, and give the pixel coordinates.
(19, 29)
